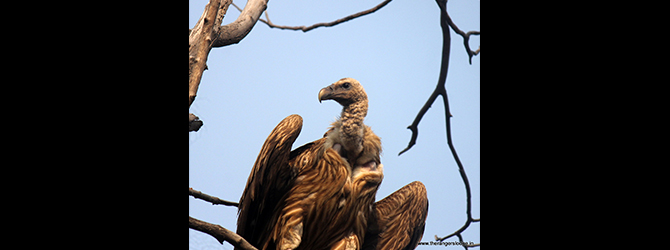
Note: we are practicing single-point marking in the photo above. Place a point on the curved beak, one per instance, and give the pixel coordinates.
(324, 93)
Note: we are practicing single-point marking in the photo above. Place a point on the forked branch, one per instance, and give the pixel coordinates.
(466, 36)
(440, 90)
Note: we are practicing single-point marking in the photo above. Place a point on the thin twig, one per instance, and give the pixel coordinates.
(220, 233)
(329, 24)
(466, 36)
(212, 199)
(236, 7)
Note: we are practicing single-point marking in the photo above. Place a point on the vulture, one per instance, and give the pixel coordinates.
(322, 194)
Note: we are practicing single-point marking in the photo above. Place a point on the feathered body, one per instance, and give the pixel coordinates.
(321, 195)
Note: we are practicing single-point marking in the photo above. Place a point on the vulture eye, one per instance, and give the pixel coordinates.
(346, 85)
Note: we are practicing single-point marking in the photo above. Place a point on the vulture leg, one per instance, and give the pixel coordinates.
(398, 220)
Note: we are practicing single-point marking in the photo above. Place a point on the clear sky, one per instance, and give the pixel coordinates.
(394, 52)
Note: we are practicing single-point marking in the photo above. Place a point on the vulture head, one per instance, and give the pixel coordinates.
(346, 91)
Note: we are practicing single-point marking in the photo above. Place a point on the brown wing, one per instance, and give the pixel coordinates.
(312, 215)
(399, 219)
(270, 178)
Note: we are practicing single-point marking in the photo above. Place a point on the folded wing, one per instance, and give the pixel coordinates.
(398, 220)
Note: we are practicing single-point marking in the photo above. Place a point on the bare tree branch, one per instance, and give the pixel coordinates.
(234, 32)
(220, 233)
(212, 199)
(440, 90)
(200, 43)
(466, 37)
(329, 24)
(206, 34)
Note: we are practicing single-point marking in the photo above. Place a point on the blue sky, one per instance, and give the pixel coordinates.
(394, 52)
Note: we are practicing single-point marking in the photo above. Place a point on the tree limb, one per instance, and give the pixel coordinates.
(234, 32)
(440, 89)
(200, 43)
(220, 233)
(329, 24)
(212, 199)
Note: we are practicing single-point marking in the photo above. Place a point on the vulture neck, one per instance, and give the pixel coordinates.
(352, 126)
(353, 114)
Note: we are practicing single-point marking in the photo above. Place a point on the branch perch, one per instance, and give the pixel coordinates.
(220, 233)
(212, 199)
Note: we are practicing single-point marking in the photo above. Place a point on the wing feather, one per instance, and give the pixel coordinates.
(313, 201)
(399, 219)
(270, 178)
